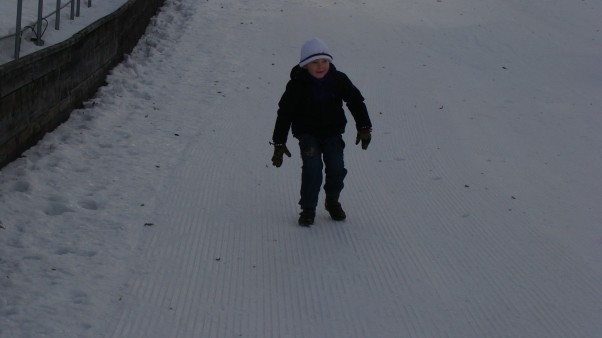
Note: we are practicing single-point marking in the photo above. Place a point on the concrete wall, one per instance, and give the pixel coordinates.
(39, 91)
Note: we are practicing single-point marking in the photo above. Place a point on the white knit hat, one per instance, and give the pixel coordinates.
(312, 50)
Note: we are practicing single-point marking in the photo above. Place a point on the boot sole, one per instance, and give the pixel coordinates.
(336, 218)
(305, 224)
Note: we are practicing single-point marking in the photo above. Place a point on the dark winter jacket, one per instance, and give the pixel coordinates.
(315, 106)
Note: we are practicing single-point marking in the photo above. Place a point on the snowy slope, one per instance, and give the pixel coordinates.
(155, 212)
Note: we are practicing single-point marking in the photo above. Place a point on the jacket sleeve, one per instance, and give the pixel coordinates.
(285, 116)
(355, 103)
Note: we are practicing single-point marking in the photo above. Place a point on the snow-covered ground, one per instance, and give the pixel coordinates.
(155, 211)
(51, 36)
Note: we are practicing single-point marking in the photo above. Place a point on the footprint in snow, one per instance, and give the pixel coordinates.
(56, 208)
(22, 186)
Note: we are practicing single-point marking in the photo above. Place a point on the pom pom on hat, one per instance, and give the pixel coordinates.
(312, 50)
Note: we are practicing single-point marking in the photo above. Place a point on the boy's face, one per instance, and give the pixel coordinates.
(318, 68)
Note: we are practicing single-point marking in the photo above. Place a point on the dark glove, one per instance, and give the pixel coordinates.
(279, 150)
(364, 134)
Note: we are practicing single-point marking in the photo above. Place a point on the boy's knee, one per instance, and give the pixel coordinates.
(309, 152)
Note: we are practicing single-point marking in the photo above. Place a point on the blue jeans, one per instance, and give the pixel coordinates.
(317, 153)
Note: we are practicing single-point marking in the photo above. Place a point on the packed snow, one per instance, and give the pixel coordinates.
(155, 211)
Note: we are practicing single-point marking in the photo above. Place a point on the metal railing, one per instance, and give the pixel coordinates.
(37, 27)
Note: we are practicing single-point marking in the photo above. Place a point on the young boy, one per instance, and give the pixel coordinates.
(312, 106)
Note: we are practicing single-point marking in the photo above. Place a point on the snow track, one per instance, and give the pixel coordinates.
(462, 222)
(423, 254)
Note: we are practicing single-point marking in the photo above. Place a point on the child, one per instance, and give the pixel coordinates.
(312, 106)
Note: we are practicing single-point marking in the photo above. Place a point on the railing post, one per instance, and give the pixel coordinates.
(57, 20)
(72, 15)
(78, 6)
(89, 3)
(39, 41)
(18, 29)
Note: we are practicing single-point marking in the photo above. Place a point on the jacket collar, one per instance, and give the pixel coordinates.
(298, 73)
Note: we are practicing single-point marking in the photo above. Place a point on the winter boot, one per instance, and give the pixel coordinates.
(334, 209)
(307, 216)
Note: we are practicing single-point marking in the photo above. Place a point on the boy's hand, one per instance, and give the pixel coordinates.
(279, 150)
(364, 134)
